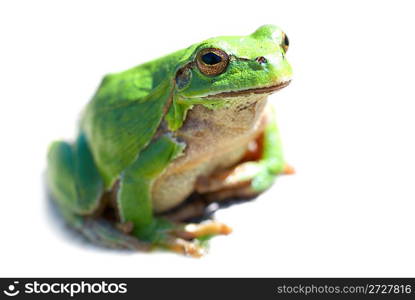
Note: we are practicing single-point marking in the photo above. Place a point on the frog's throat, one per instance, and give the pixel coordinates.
(261, 90)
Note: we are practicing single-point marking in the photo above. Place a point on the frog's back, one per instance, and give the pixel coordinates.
(125, 113)
(136, 83)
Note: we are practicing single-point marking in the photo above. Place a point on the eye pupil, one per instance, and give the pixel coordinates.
(286, 41)
(211, 58)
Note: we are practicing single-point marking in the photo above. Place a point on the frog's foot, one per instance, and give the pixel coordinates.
(178, 237)
(183, 238)
(243, 181)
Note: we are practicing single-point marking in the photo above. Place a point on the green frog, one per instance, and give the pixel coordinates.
(195, 121)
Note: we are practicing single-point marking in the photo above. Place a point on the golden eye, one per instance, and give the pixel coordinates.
(212, 61)
(285, 43)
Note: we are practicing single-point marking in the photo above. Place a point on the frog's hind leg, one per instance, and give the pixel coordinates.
(72, 176)
(76, 187)
(134, 202)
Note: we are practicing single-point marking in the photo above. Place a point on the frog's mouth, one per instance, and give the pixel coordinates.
(262, 90)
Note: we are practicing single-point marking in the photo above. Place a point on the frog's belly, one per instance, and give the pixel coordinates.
(173, 188)
(214, 140)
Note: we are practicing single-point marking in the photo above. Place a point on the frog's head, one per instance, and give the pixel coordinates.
(229, 66)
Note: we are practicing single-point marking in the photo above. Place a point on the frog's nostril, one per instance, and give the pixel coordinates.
(261, 60)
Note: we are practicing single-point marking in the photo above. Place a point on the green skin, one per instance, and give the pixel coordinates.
(117, 139)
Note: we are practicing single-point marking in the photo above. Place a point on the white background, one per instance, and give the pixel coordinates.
(347, 122)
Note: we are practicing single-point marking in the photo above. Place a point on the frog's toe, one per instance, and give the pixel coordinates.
(182, 246)
(288, 170)
(209, 228)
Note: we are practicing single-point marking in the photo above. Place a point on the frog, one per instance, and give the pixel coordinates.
(196, 121)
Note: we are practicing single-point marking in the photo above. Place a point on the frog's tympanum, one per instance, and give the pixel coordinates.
(195, 122)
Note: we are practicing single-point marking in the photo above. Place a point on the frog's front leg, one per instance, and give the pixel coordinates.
(135, 204)
(249, 178)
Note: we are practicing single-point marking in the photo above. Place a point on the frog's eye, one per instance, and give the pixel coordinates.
(285, 43)
(212, 61)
